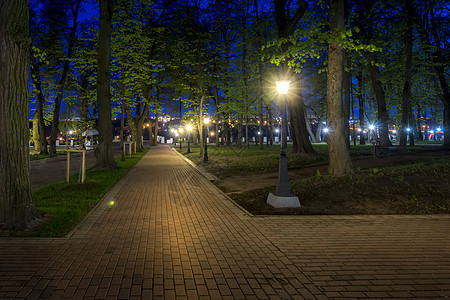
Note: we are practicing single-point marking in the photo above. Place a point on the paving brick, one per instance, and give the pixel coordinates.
(172, 234)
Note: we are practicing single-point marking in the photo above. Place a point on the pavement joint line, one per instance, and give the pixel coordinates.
(101, 205)
(209, 176)
(218, 191)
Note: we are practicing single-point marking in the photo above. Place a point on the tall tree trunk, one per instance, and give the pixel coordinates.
(141, 113)
(247, 141)
(157, 109)
(285, 27)
(441, 67)
(36, 139)
(16, 201)
(362, 137)
(84, 105)
(40, 101)
(406, 95)
(340, 162)
(122, 127)
(381, 104)
(270, 125)
(62, 80)
(347, 85)
(200, 125)
(104, 151)
(155, 131)
(240, 131)
(217, 116)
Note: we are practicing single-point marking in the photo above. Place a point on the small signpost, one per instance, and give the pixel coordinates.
(83, 164)
(129, 147)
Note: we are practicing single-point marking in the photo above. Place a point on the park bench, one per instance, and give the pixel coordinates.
(376, 149)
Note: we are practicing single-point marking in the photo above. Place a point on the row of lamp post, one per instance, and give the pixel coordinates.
(282, 197)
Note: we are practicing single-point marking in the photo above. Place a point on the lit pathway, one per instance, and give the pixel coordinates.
(171, 234)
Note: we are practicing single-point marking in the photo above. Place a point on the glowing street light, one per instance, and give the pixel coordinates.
(283, 86)
(283, 196)
(188, 129)
(205, 156)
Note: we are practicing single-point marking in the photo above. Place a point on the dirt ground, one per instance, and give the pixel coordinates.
(239, 184)
(421, 190)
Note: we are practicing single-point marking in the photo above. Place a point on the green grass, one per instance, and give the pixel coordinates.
(65, 205)
(226, 161)
(40, 156)
(411, 188)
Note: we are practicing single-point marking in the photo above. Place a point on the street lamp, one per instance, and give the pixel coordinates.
(180, 130)
(188, 129)
(283, 196)
(205, 156)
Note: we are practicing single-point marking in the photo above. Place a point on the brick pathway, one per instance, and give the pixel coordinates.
(172, 234)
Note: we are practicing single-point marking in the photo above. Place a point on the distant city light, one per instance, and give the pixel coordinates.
(325, 130)
(438, 129)
(359, 129)
(408, 129)
(371, 127)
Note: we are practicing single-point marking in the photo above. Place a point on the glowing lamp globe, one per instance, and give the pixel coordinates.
(283, 87)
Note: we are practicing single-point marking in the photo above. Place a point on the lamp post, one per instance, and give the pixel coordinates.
(371, 127)
(283, 196)
(188, 129)
(180, 130)
(205, 156)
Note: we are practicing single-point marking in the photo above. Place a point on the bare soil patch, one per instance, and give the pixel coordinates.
(394, 184)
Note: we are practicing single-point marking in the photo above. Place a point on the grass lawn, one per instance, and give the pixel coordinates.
(64, 205)
(408, 188)
(40, 156)
(413, 188)
(226, 161)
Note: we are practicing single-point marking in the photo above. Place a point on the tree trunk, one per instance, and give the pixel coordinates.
(40, 101)
(347, 85)
(362, 137)
(270, 125)
(240, 131)
(200, 125)
(36, 139)
(155, 131)
(62, 81)
(84, 105)
(406, 95)
(217, 116)
(285, 27)
(104, 151)
(16, 201)
(122, 126)
(340, 162)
